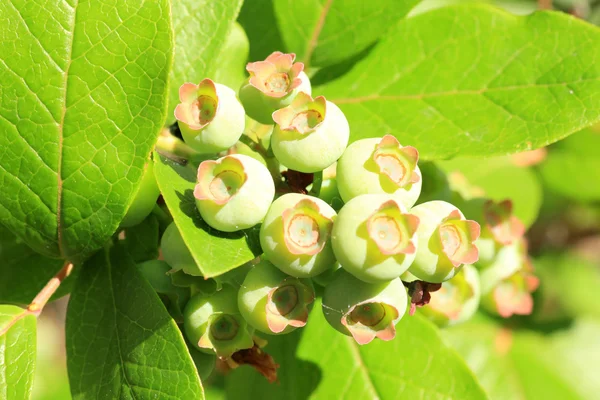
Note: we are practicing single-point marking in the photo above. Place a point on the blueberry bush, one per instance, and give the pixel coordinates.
(325, 199)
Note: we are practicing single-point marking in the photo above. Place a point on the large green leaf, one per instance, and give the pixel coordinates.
(501, 179)
(83, 97)
(258, 19)
(23, 272)
(475, 80)
(233, 57)
(572, 167)
(321, 363)
(121, 342)
(215, 252)
(201, 28)
(524, 365)
(17, 352)
(325, 32)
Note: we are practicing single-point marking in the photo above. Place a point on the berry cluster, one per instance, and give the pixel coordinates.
(343, 217)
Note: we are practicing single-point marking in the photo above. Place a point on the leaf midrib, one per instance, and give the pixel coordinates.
(61, 246)
(420, 96)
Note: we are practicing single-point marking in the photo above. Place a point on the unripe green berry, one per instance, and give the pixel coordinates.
(144, 199)
(157, 273)
(273, 84)
(309, 135)
(175, 252)
(210, 117)
(330, 194)
(374, 239)
(205, 363)
(435, 185)
(456, 301)
(214, 324)
(326, 277)
(234, 192)
(508, 261)
(379, 166)
(273, 302)
(364, 310)
(446, 241)
(295, 235)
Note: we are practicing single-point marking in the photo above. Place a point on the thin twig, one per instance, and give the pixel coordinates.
(44, 295)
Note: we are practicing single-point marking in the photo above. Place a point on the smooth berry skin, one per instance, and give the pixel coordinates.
(144, 199)
(507, 262)
(457, 300)
(357, 174)
(254, 292)
(355, 250)
(345, 292)
(431, 264)
(197, 316)
(326, 277)
(248, 206)
(205, 363)
(176, 253)
(313, 151)
(273, 242)
(225, 128)
(260, 107)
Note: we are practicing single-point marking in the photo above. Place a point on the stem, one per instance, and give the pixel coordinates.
(316, 185)
(44, 295)
(174, 148)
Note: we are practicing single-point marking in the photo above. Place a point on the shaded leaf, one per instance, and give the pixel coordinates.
(474, 80)
(257, 17)
(17, 352)
(572, 166)
(215, 252)
(121, 342)
(23, 272)
(325, 32)
(142, 240)
(83, 98)
(201, 28)
(318, 362)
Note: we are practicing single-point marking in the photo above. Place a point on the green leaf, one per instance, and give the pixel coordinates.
(121, 342)
(23, 272)
(325, 32)
(318, 362)
(142, 240)
(475, 80)
(500, 179)
(527, 365)
(215, 252)
(233, 57)
(17, 352)
(201, 28)
(572, 167)
(83, 97)
(257, 17)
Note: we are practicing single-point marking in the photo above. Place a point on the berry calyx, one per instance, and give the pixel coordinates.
(273, 302)
(363, 310)
(273, 84)
(234, 192)
(310, 134)
(379, 166)
(213, 324)
(295, 235)
(500, 221)
(446, 241)
(374, 238)
(210, 117)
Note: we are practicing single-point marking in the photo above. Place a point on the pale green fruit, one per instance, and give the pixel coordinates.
(210, 117)
(234, 192)
(295, 235)
(273, 302)
(310, 135)
(446, 241)
(364, 310)
(144, 200)
(379, 166)
(456, 301)
(175, 252)
(214, 324)
(374, 238)
(273, 84)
